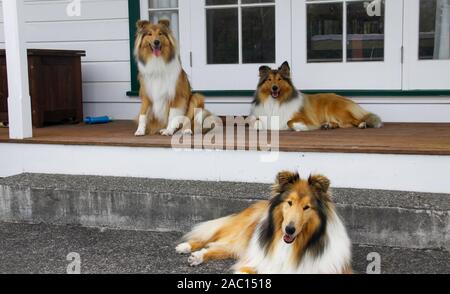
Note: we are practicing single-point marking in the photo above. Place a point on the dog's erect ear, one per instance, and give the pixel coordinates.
(264, 71)
(319, 184)
(164, 22)
(284, 181)
(141, 24)
(285, 70)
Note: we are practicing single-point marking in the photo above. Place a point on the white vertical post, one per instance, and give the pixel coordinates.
(19, 102)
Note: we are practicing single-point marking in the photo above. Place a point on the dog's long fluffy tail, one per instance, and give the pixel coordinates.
(373, 121)
(204, 232)
(363, 117)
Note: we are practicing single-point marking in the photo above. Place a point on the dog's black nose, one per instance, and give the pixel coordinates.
(275, 88)
(290, 230)
(157, 42)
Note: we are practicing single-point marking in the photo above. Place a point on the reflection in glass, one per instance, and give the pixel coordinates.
(365, 32)
(434, 35)
(221, 2)
(324, 27)
(258, 35)
(222, 36)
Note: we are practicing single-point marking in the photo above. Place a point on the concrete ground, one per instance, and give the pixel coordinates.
(44, 248)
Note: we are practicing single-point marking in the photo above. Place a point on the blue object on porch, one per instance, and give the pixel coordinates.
(97, 120)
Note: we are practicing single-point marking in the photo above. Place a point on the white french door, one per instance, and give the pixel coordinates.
(347, 44)
(231, 39)
(427, 45)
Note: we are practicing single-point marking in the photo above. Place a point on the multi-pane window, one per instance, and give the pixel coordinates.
(240, 31)
(165, 9)
(345, 30)
(434, 33)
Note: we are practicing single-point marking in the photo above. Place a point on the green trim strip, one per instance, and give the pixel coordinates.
(134, 14)
(349, 93)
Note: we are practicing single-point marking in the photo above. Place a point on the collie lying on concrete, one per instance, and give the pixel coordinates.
(276, 96)
(167, 99)
(296, 232)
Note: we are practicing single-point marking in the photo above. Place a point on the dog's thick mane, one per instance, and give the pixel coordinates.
(315, 244)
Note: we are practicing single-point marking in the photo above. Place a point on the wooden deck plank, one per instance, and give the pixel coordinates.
(396, 138)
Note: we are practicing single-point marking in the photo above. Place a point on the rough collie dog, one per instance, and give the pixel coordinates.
(165, 91)
(276, 96)
(297, 231)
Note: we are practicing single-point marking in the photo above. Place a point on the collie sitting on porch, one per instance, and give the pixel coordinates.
(167, 99)
(296, 232)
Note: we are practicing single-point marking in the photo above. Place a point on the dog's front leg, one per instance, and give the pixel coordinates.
(142, 127)
(176, 120)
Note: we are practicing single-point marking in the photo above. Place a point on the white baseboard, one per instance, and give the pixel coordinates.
(391, 109)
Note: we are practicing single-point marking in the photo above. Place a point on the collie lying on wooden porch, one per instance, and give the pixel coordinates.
(276, 96)
(297, 231)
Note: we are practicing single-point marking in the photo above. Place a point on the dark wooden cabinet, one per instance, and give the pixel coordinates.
(55, 86)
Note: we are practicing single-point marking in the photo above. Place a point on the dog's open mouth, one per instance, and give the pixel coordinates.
(157, 50)
(275, 94)
(288, 239)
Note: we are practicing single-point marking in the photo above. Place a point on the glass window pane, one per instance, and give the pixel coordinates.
(324, 26)
(221, 2)
(258, 35)
(163, 3)
(156, 16)
(222, 36)
(257, 1)
(365, 31)
(434, 36)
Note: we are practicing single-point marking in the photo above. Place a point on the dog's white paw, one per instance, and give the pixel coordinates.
(167, 132)
(299, 127)
(188, 132)
(140, 132)
(196, 258)
(184, 248)
(363, 125)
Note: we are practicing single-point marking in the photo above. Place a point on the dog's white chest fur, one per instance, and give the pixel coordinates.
(160, 79)
(271, 110)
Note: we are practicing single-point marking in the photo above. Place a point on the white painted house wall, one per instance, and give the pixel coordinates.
(102, 30)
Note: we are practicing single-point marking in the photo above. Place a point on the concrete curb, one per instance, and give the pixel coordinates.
(383, 218)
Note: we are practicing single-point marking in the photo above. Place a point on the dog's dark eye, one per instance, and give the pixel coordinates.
(290, 203)
(160, 34)
(150, 34)
(269, 80)
(279, 79)
(306, 207)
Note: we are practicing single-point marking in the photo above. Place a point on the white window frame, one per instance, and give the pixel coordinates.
(396, 72)
(421, 74)
(234, 76)
(379, 75)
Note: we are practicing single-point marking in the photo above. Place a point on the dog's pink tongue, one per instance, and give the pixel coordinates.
(288, 239)
(157, 52)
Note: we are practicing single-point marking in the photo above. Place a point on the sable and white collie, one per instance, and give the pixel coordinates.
(276, 96)
(167, 99)
(296, 232)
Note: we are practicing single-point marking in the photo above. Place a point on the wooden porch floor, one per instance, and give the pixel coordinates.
(395, 138)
